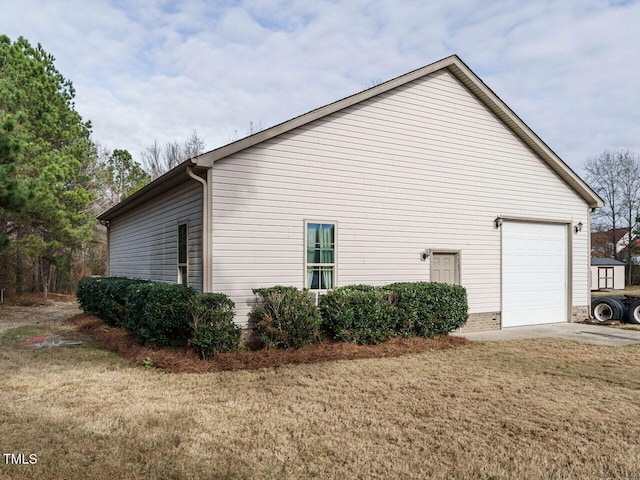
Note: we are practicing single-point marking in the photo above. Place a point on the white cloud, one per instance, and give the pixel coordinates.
(157, 69)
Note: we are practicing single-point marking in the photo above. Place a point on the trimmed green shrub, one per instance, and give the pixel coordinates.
(361, 314)
(366, 314)
(430, 308)
(214, 330)
(89, 293)
(276, 288)
(106, 297)
(286, 317)
(157, 313)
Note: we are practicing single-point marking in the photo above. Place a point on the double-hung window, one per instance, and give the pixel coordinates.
(183, 254)
(320, 257)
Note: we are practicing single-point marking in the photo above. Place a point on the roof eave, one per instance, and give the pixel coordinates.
(172, 178)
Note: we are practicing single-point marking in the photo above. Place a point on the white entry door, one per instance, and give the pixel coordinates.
(445, 268)
(534, 273)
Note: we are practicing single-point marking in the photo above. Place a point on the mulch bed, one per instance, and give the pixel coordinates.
(185, 360)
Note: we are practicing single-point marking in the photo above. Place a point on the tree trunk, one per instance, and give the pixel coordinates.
(614, 245)
(19, 264)
(45, 275)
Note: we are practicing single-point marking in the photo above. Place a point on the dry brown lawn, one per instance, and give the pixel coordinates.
(630, 290)
(521, 409)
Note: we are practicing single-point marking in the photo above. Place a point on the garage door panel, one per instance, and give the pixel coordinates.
(534, 273)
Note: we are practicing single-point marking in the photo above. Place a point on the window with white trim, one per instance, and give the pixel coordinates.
(320, 255)
(183, 254)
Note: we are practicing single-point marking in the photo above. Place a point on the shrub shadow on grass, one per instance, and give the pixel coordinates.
(185, 360)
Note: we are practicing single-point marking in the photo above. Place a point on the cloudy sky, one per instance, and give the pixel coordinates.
(155, 69)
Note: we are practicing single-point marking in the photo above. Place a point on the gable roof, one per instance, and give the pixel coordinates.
(634, 245)
(606, 235)
(605, 261)
(455, 66)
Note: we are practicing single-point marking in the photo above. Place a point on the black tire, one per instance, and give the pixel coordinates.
(604, 309)
(633, 314)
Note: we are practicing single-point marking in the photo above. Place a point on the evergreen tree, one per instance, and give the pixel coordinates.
(44, 147)
(12, 196)
(125, 175)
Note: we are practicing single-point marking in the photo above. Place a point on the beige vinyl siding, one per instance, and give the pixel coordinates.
(423, 166)
(144, 241)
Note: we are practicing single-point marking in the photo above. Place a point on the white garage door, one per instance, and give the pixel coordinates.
(534, 273)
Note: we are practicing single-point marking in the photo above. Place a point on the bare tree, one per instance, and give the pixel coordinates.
(603, 174)
(629, 184)
(152, 160)
(158, 159)
(193, 146)
(172, 154)
(254, 128)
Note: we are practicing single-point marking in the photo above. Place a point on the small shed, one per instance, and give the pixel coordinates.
(607, 274)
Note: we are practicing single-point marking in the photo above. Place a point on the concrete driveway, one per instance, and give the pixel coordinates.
(580, 332)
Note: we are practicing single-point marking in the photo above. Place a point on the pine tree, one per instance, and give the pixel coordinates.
(44, 147)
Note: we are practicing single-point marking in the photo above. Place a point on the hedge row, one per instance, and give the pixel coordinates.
(284, 317)
(364, 314)
(157, 313)
(360, 314)
(162, 313)
(106, 297)
(430, 308)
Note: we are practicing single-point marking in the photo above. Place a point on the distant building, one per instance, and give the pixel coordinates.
(602, 245)
(607, 274)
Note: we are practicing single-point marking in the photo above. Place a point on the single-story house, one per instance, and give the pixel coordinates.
(429, 176)
(634, 246)
(614, 242)
(607, 274)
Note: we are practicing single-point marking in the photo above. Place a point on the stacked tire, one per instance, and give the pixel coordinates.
(605, 309)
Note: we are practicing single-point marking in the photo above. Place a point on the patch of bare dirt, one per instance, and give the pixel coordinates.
(185, 360)
(34, 309)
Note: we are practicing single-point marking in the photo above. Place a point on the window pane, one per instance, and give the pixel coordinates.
(320, 243)
(182, 244)
(313, 230)
(326, 278)
(313, 278)
(326, 243)
(325, 256)
(313, 255)
(319, 278)
(182, 275)
(327, 233)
